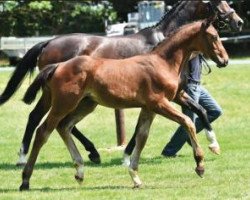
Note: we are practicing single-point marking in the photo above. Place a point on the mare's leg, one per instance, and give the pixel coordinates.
(34, 119)
(120, 128)
(143, 125)
(94, 156)
(86, 106)
(166, 109)
(187, 102)
(129, 148)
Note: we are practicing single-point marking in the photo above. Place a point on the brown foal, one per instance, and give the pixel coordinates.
(149, 81)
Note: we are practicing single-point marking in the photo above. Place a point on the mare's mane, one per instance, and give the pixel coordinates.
(173, 37)
(166, 17)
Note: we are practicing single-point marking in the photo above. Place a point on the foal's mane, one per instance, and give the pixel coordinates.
(173, 38)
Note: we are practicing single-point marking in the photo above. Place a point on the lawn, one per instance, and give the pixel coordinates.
(227, 176)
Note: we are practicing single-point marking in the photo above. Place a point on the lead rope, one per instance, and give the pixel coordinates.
(205, 65)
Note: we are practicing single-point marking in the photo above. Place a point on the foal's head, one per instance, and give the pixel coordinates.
(210, 44)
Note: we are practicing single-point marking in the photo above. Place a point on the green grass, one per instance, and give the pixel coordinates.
(227, 176)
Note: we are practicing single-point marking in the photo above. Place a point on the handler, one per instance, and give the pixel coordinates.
(201, 96)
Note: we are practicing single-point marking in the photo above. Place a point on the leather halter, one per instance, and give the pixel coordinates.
(223, 16)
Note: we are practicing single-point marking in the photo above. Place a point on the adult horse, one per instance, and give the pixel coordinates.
(65, 47)
(149, 81)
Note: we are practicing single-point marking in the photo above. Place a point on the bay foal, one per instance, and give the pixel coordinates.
(149, 81)
(68, 46)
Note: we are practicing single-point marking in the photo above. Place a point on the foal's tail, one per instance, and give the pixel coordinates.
(39, 82)
(27, 64)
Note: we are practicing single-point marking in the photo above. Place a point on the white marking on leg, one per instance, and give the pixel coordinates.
(22, 157)
(126, 160)
(214, 145)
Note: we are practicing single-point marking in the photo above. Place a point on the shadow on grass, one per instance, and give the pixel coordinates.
(49, 189)
(113, 162)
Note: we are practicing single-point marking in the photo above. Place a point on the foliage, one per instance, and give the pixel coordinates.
(52, 17)
(227, 176)
(28, 18)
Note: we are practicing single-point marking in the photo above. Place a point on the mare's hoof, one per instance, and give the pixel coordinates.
(20, 164)
(215, 150)
(24, 187)
(200, 171)
(79, 179)
(95, 158)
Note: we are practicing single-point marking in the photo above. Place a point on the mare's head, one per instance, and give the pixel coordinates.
(226, 15)
(188, 11)
(210, 44)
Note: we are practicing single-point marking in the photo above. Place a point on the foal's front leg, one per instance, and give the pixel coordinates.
(185, 100)
(142, 128)
(166, 109)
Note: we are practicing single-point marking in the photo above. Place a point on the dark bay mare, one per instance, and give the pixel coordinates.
(65, 47)
(150, 82)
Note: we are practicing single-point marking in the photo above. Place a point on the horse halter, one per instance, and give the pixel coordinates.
(222, 16)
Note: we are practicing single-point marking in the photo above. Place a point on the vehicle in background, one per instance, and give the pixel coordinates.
(149, 13)
(15, 47)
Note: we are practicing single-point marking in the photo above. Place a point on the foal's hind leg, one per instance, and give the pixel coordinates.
(131, 145)
(145, 120)
(34, 119)
(64, 129)
(42, 135)
(166, 109)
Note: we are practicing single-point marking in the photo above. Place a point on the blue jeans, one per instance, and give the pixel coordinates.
(202, 96)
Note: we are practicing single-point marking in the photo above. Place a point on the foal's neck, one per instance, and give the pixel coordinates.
(177, 49)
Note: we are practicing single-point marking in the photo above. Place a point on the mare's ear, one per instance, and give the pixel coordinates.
(208, 21)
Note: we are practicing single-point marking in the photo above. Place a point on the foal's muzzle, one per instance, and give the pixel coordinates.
(222, 63)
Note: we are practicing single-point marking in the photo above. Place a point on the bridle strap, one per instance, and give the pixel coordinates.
(221, 15)
(225, 15)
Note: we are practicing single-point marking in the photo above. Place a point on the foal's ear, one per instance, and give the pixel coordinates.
(208, 21)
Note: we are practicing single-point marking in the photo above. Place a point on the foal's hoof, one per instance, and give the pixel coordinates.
(215, 150)
(137, 186)
(79, 179)
(95, 158)
(200, 171)
(24, 187)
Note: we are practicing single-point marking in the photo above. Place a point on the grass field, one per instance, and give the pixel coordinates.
(227, 176)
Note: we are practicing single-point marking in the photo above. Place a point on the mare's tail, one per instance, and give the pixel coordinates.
(39, 82)
(27, 64)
